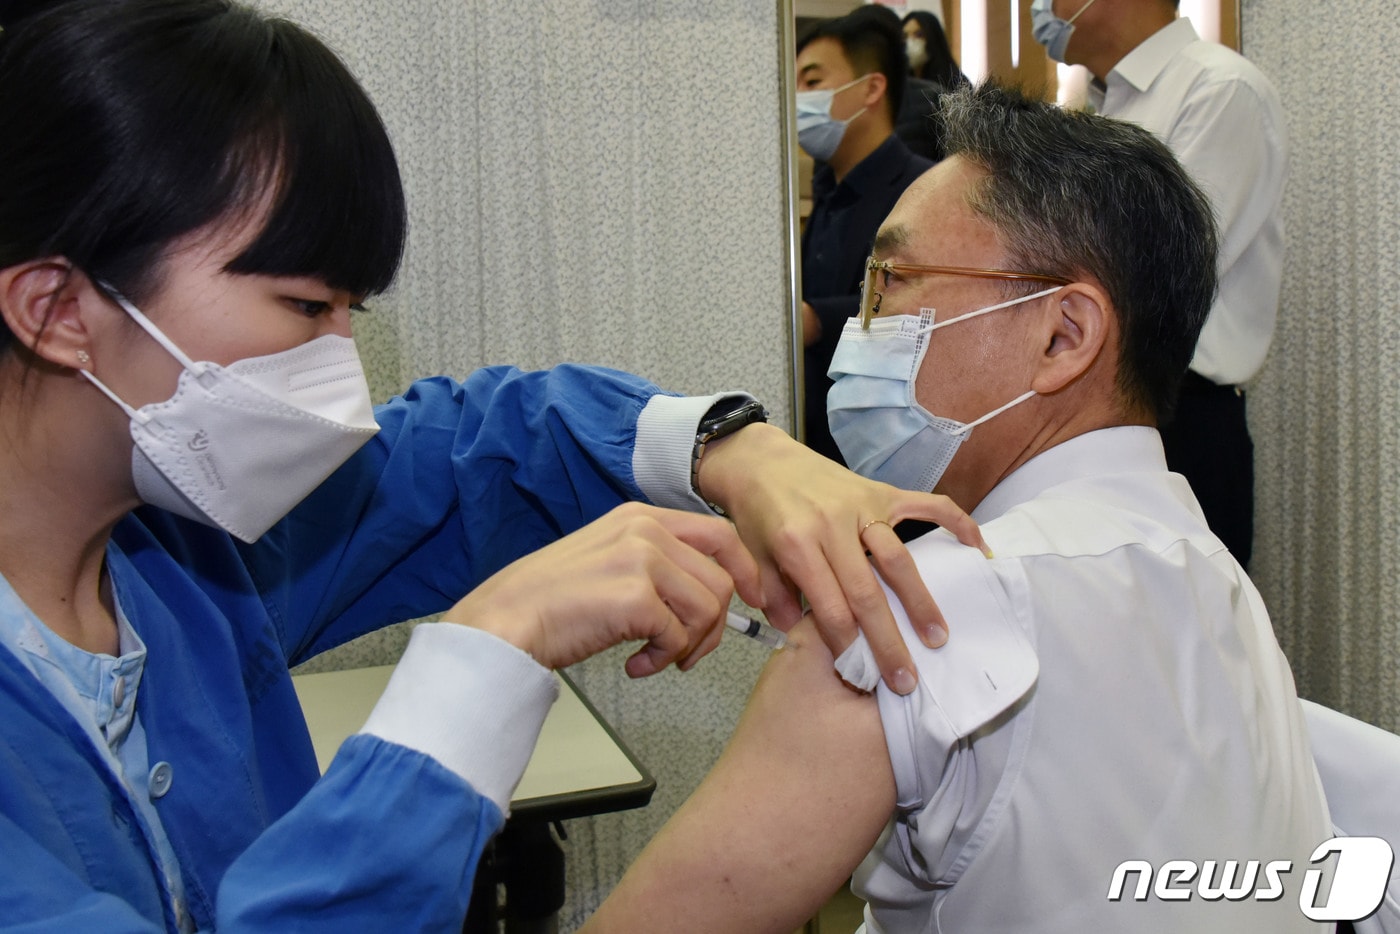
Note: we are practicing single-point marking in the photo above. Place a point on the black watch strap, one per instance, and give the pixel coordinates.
(724, 418)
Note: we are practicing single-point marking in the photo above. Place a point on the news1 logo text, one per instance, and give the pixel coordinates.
(1358, 875)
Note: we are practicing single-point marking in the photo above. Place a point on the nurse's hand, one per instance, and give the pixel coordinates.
(638, 573)
(810, 523)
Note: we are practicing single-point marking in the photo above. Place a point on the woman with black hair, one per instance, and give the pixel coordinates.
(930, 57)
(197, 494)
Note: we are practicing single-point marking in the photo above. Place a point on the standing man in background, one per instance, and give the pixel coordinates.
(851, 76)
(1222, 118)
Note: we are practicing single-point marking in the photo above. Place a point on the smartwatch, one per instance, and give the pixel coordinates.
(724, 418)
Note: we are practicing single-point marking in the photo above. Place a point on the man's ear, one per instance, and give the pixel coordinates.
(1076, 331)
(876, 87)
(41, 302)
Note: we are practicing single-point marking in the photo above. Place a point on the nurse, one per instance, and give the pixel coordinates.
(196, 495)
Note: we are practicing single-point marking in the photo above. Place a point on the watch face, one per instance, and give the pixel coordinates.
(745, 414)
(714, 426)
(724, 409)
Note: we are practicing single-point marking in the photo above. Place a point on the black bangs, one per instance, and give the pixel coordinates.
(127, 124)
(338, 214)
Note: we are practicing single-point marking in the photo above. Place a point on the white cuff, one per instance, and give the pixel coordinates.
(856, 665)
(473, 702)
(665, 444)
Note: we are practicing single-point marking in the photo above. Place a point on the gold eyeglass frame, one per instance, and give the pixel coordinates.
(870, 299)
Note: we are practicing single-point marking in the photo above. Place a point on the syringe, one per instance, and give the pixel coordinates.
(759, 632)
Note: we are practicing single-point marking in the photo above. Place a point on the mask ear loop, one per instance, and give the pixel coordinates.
(973, 314)
(995, 412)
(141, 418)
(138, 417)
(982, 311)
(832, 98)
(1078, 11)
(149, 328)
(853, 82)
(850, 84)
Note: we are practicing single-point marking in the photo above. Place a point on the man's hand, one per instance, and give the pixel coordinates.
(638, 573)
(811, 325)
(810, 523)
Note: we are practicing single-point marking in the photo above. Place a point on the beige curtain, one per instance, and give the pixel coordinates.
(1327, 553)
(590, 182)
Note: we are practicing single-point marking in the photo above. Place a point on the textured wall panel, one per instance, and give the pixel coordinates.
(1327, 553)
(596, 182)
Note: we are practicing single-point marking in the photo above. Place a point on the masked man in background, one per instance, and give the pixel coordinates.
(851, 75)
(1223, 119)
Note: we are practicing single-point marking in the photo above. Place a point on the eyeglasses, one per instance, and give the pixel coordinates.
(870, 299)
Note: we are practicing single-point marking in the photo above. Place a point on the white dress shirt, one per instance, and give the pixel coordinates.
(1111, 690)
(1222, 118)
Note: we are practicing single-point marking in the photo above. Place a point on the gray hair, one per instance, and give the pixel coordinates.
(1074, 194)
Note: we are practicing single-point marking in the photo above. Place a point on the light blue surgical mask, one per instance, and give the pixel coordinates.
(1051, 31)
(876, 419)
(818, 132)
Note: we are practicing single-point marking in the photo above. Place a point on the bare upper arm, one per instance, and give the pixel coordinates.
(795, 802)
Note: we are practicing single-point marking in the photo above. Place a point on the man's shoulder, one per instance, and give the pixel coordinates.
(921, 96)
(1217, 57)
(1157, 77)
(1215, 68)
(1100, 515)
(916, 166)
(896, 164)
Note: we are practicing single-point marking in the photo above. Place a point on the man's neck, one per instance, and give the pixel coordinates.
(1123, 37)
(861, 140)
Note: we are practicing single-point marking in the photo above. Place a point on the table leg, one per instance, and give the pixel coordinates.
(483, 910)
(528, 863)
(532, 869)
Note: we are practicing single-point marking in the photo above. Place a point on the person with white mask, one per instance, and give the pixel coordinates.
(1223, 119)
(198, 494)
(930, 56)
(1113, 692)
(851, 75)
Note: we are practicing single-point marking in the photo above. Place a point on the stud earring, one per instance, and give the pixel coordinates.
(83, 358)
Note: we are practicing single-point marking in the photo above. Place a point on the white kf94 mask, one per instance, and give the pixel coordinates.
(237, 447)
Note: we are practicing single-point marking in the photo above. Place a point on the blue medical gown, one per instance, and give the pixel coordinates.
(462, 479)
